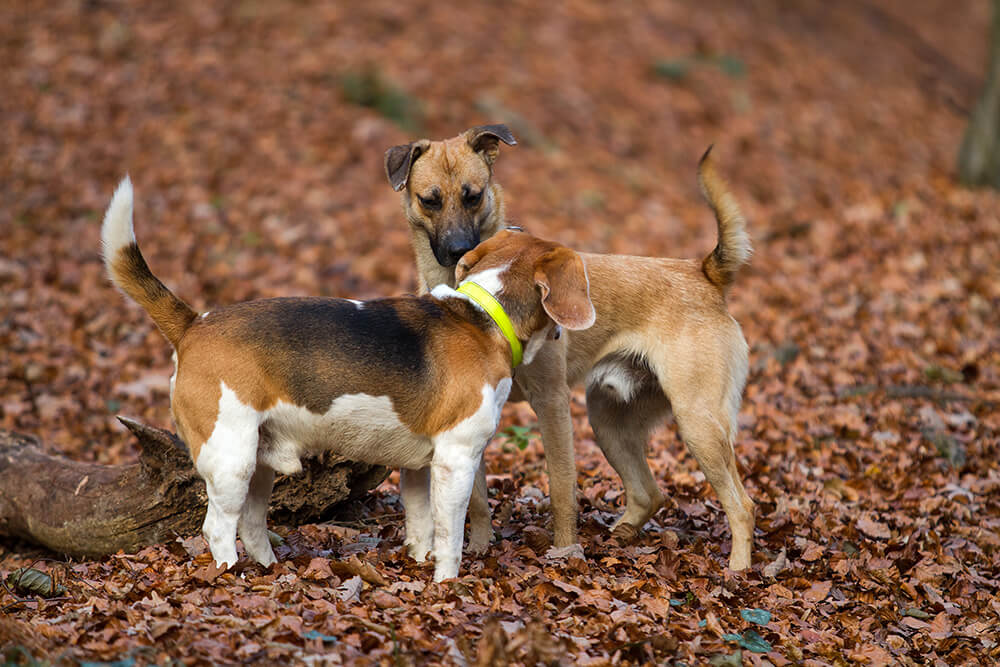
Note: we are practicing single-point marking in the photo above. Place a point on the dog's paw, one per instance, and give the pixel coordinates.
(477, 547)
(625, 533)
(479, 542)
(417, 550)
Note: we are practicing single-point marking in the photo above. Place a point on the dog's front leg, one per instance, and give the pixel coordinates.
(453, 471)
(543, 384)
(556, 427)
(415, 490)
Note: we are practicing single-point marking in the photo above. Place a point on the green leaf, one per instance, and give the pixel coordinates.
(731, 65)
(675, 70)
(730, 637)
(29, 581)
(677, 602)
(937, 373)
(519, 435)
(949, 447)
(315, 634)
(124, 662)
(758, 616)
(369, 88)
(786, 353)
(916, 613)
(752, 641)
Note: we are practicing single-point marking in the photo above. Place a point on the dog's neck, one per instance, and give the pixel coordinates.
(430, 272)
(468, 309)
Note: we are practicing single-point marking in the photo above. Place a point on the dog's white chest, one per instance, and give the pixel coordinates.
(359, 427)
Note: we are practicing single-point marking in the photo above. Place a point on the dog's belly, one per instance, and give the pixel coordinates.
(358, 427)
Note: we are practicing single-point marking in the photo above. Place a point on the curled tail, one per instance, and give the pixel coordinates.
(129, 272)
(733, 248)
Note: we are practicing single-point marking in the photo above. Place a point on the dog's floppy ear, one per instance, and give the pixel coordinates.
(562, 278)
(486, 139)
(469, 260)
(399, 160)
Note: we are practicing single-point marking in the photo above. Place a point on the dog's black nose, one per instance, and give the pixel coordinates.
(455, 253)
(456, 244)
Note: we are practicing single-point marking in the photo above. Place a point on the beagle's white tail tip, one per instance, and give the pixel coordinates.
(117, 231)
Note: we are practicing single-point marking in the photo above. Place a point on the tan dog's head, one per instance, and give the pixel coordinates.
(542, 286)
(449, 195)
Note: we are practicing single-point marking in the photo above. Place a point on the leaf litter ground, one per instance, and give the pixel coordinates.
(254, 133)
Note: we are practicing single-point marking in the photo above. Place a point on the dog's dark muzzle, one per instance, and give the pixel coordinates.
(453, 244)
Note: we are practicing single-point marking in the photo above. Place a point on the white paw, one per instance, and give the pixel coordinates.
(225, 557)
(225, 563)
(418, 550)
(446, 568)
(267, 559)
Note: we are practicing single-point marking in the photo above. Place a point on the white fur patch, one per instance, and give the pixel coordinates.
(442, 291)
(357, 304)
(116, 230)
(173, 378)
(357, 426)
(616, 377)
(226, 462)
(489, 279)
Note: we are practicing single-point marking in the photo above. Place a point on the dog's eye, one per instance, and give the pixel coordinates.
(472, 199)
(432, 203)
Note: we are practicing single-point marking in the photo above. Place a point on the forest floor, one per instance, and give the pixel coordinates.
(254, 134)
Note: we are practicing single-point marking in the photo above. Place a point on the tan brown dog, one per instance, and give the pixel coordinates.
(410, 382)
(663, 340)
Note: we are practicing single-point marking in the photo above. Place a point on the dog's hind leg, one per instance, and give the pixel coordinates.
(252, 525)
(622, 416)
(415, 491)
(480, 524)
(711, 442)
(227, 462)
(705, 403)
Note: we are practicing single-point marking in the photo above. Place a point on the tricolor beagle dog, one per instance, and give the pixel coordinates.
(409, 382)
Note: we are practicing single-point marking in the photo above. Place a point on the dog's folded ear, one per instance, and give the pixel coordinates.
(469, 260)
(562, 278)
(486, 139)
(399, 160)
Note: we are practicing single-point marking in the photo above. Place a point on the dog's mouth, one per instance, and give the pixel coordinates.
(443, 259)
(452, 245)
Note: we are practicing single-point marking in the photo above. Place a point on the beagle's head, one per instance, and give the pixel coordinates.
(542, 286)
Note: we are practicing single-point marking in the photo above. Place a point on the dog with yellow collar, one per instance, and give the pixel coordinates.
(408, 382)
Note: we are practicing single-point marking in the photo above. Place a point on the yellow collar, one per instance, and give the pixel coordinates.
(489, 303)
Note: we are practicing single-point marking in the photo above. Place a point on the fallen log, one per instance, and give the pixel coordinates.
(90, 510)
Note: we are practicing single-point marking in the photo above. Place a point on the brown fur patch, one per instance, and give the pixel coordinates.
(733, 248)
(131, 273)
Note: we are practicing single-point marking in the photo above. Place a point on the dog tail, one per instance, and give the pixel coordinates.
(733, 248)
(128, 270)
